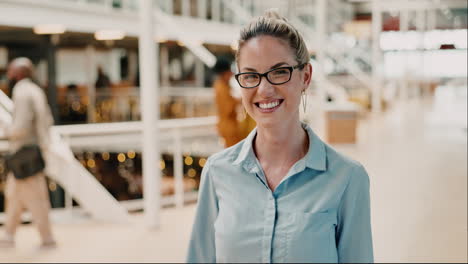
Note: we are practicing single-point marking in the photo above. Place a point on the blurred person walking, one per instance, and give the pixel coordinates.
(229, 127)
(29, 131)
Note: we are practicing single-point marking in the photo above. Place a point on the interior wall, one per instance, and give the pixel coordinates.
(71, 65)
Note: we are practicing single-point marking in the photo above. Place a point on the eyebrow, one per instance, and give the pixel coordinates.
(272, 67)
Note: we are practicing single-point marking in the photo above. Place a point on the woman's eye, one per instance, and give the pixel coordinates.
(280, 72)
(250, 77)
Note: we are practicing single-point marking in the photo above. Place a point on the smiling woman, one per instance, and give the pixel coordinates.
(282, 194)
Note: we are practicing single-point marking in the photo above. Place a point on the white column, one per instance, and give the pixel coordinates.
(178, 169)
(249, 6)
(321, 16)
(431, 26)
(404, 20)
(164, 60)
(150, 115)
(91, 70)
(376, 56)
(255, 7)
(216, 10)
(169, 6)
(226, 13)
(201, 9)
(421, 27)
(404, 25)
(186, 8)
(320, 77)
(431, 19)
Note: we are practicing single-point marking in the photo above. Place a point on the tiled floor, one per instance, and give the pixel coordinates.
(417, 160)
(416, 156)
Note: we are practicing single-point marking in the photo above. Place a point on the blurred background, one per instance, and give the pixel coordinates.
(389, 90)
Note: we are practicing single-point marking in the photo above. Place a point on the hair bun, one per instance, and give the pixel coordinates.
(273, 13)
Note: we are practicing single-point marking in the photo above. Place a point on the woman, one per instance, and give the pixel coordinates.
(280, 195)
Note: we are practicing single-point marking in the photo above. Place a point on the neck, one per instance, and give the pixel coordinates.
(20, 78)
(282, 144)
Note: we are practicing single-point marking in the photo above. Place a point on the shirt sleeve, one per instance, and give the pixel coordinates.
(202, 241)
(23, 116)
(354, 235)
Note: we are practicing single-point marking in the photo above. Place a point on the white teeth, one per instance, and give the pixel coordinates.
(269, 105)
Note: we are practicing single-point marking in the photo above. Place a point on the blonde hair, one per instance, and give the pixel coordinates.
(275, 25)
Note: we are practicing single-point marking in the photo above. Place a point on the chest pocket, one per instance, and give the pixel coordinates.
(312, 237)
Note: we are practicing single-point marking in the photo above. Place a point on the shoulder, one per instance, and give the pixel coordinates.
(351, 169)
(226, 157)
(26, 88)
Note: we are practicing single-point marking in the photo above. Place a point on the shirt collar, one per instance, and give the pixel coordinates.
(316, 157)
(246, 157)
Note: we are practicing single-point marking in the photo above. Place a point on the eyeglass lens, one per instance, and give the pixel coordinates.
(277, 76)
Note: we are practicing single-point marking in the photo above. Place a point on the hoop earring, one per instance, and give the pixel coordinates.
(304, 100)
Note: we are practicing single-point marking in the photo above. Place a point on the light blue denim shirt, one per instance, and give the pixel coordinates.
(320, 212)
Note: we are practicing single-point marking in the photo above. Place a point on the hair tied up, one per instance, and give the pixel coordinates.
(273, 13)
(271, 23)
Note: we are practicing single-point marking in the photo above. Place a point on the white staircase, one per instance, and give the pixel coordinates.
(194, 45)
(63, 168)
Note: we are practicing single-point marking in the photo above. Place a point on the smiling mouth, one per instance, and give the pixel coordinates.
(270, 105)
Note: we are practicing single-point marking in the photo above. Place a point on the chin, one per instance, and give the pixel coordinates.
(267, 122)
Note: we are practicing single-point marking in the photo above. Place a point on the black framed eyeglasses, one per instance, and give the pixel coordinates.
(274, 76)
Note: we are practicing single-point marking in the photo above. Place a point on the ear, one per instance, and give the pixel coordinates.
(307, 77)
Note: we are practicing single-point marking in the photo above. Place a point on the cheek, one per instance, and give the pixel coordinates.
(293, 99)
(245, 95)
(294, 92)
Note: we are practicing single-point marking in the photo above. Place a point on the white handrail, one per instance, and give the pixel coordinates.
(195, 46)
(6, 102)
(129, 127)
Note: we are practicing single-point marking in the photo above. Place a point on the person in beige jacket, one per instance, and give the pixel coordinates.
(30, 125)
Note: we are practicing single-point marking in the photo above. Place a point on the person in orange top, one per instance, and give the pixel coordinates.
(228, 126)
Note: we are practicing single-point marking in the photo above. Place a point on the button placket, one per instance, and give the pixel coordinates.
(270, 215)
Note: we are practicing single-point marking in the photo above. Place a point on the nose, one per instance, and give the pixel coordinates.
(265, 89)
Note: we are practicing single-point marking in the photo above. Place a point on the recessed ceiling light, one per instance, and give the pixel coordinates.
(109, 35)
(43, 29)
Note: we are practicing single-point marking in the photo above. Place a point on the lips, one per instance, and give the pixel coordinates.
(269, 106)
